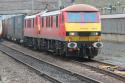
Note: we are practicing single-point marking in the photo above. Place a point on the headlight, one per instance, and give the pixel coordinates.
(94, 33)
(72, 33)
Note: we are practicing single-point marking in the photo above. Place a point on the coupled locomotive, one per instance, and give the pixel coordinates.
(72, 31)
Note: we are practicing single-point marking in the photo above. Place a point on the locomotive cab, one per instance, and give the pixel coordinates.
(83, 30)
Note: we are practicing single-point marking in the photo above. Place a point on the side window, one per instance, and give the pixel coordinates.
(46, 22)
(33, 22)
(42, 22)
(57, 24)
(51, 21)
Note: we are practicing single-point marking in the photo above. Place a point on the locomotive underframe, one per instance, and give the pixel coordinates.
(84, 49)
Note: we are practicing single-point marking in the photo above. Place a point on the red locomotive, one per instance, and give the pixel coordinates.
(72, 31)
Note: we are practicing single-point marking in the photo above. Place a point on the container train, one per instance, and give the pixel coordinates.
(71, 31)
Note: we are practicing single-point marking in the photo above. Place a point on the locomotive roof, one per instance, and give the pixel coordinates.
(80, 7)
(33, 16)
(77, 7)
(29, 17)
(51, 13)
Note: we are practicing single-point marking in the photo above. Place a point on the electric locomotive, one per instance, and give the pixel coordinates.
(72, 31)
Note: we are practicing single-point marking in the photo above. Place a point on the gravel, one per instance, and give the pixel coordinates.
(14, 72)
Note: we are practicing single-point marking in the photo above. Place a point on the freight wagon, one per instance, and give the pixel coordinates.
(13, 28)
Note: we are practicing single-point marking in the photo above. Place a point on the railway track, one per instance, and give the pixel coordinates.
(92, 65)
(101, 67)
(49, 71)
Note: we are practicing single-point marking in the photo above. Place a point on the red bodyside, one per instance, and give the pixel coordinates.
(56, 33)
(52, 32)
(32, 29)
